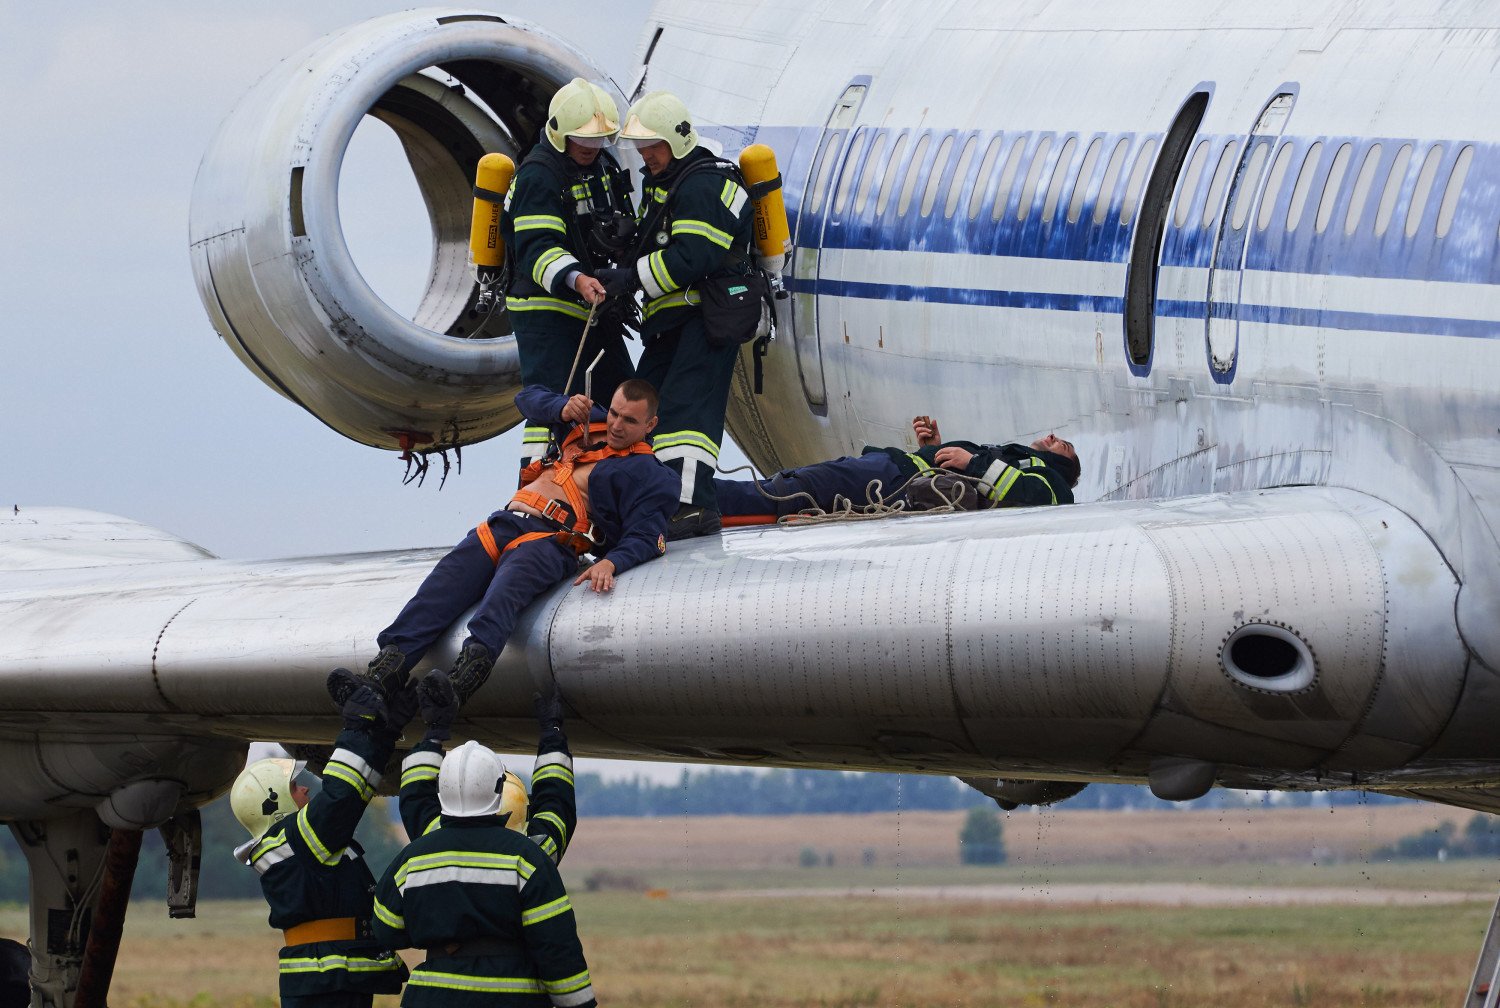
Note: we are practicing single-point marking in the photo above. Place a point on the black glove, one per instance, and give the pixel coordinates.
(617, 282)
(548, 708)
(359, 703)
(439, 704)
(401, 706)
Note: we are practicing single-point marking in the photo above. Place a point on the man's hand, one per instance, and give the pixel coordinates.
(576, 410)
(548, 708)
(401, 706)
(953, 457)
(601, 576)
(588, 288)
(926, 430)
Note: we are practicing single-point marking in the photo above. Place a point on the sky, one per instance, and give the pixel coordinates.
(116, 394)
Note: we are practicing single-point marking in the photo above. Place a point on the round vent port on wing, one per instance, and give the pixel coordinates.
(1269, 658)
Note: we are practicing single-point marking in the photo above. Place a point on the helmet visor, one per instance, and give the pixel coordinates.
(593, 142)
(640, 143)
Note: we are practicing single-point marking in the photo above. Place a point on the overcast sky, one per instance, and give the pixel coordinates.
(116, 394)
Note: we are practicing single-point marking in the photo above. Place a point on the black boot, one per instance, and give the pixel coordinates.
(692, 521)
(471, 669)
(388, 670)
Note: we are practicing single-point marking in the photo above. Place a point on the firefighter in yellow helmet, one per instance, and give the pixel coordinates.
(477, 887)
(695, 225)
(568, 216)
(312, 871)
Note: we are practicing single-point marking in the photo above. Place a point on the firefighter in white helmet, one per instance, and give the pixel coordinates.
(477, 887)
(311, 869)
(568, 216)
(695, 225)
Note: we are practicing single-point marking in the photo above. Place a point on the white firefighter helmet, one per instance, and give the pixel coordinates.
(470, 781)
(584, 112)
(514, 800)
(660, 116)
(262, 794)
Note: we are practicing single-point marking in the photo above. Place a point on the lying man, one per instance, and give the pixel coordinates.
(604, 493)
(1008, 475)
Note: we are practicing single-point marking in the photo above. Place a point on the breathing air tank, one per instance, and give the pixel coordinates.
(773, 239)
(491, 180)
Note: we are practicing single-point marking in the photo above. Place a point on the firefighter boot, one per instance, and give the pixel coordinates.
(471, 669)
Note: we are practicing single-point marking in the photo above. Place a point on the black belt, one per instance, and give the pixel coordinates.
(473, 947)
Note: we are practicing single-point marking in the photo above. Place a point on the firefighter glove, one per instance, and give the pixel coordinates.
(439, 705)
(401, 705)
(548, 708)
(617, 282)
(359, 703)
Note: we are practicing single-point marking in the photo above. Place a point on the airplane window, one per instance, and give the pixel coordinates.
(1452, 191)
(1227, 161)
(850, 170)
(1362, 183)
(935, 176)
(1424, 189)
(960, 176)
(1137, 180)
(1393, 183)
(893, 168)
(991, 153)
(914, 172)
(1033, 177)
(1189, 188)
(1304, 186)
(1273, 186)
(1331, 186)
(1007, 177)
(873, 167)
(827, 158)
(1111, 176)
(1084, 177)
(1244, 190)
(1060, 173)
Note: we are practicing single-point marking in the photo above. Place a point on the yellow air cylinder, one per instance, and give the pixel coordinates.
(491, 179)
(773, 239)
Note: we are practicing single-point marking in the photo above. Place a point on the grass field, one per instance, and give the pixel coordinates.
(688, 923)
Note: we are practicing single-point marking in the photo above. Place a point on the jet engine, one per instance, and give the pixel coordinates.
(268, 248)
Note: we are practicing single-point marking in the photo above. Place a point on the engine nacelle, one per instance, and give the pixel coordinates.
(268, 248)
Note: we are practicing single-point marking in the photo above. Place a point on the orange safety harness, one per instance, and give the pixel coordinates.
(575, 532)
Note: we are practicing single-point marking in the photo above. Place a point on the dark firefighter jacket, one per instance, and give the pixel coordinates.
(1012, 475)
(484, 901)
(311, 869)
(548, 207)
(704, 229)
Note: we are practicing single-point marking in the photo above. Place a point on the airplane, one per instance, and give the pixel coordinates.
(1246, 259)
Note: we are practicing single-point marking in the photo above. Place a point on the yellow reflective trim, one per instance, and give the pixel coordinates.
(561, 773)
(418, 774)
(702, 229)
(540, 222)
(688, 298)
(547, 304)
(546, 911)
(319, 851)
(554, 819)
(659, 272)
(347, 774)
(389, 918)
(696, 439)
(921, 463)
(460, 981)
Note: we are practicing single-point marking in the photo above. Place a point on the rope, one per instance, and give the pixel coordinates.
(877, 504)
(584, 338)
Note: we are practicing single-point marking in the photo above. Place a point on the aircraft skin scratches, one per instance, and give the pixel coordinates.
(1337, 479)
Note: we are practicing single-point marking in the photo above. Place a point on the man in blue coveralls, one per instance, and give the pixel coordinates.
(602, 493)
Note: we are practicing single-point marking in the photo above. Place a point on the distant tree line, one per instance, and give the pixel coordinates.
(1480, 838)
(715, 791)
